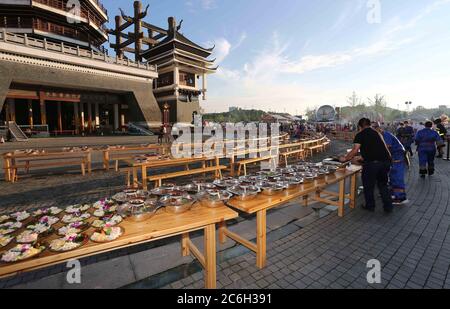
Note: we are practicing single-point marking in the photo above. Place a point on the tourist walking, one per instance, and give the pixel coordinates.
(427, 141)
(399, 165)
(406, 137)
(376, 165)
(442, 131)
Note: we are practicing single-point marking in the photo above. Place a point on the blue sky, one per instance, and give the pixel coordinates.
(288, 55)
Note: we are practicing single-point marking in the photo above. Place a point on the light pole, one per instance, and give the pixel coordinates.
(408, 106)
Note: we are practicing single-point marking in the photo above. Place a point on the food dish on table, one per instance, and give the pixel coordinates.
(20, 216)
(77, 208)
(4, 218)
(73, 228)
(107, 234)
(5, 240)
(9, 227)
(107, 221)
(52, 211)
(68, 243)
(27, 237)
(75, 218)
(21, 252)
(40, 228)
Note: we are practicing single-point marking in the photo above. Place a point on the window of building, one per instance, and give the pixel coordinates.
(165, 79)
(187, 79)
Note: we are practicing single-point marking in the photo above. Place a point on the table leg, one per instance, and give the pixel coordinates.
(144, 178)
(341, 198)
(353, 192)
(210, 256)
(89, 163)
(261, 231)
(222, 236)
(106, 160)
(135, 177)
(185, 251)
(8, 172)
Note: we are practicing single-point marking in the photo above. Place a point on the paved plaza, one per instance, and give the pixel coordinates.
(305, 249)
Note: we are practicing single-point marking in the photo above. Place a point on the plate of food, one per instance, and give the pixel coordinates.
(120, 197)
(73, 228)
(20, 216)
(77, 208)
(9, 227)
(76, 217)
(52, 211)
(5, 240)
(68, 243)
(105, 211)
(107, 221)
(22, 252)
(4, 218)
(42, 229)
(27, 237)
(104, 203)
(48, 220)
(107, 234)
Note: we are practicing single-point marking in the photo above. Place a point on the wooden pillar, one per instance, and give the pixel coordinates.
(116, 116)
(12, 109)
(176, 75)
(60, 127)
(119, 52)
(97, 115)
(90, 117)
(7, 111)
(137, 30)
(82, 116)
(76, 118)
(30, 113)
(42, 107)
(204, 86)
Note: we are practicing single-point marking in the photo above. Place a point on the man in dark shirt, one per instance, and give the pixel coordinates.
(376, 166)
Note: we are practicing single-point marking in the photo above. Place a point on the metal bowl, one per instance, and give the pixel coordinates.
(178, 204)
(271, 188)
(243, 193)
(213, 198)
(293, 183)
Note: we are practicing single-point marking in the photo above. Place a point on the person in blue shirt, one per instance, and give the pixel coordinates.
(399, 165)
(427, 140)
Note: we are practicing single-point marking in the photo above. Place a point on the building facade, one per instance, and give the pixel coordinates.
(55, 73)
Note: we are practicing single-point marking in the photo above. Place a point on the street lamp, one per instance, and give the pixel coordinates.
(408, 105)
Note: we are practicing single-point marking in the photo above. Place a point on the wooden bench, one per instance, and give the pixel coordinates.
(127, 153)
(83, 160)
(158, 179)
(299, 154)
(243, 164)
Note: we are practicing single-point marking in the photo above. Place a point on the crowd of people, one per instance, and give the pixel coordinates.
(385, 154)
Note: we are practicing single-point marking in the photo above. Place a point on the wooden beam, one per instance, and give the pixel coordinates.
(154, 28)
(60, 126)
(30, 113)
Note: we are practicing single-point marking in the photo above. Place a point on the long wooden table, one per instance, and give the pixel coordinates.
(262, 204)
(163, 225)
(11, 160)
(167, 163)
(108, 154)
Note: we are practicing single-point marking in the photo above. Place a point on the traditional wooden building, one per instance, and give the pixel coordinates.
(54, 73)
(182, 65)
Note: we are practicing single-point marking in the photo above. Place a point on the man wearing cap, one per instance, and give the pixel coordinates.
(399, 165)
(427, 140)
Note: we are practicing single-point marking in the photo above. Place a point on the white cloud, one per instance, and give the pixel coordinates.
(223, 47)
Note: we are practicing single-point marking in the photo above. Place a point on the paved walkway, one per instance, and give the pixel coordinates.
(412, 244)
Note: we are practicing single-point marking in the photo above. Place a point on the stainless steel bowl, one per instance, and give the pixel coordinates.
(178, 204)
(213, 198)
(244, 194)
